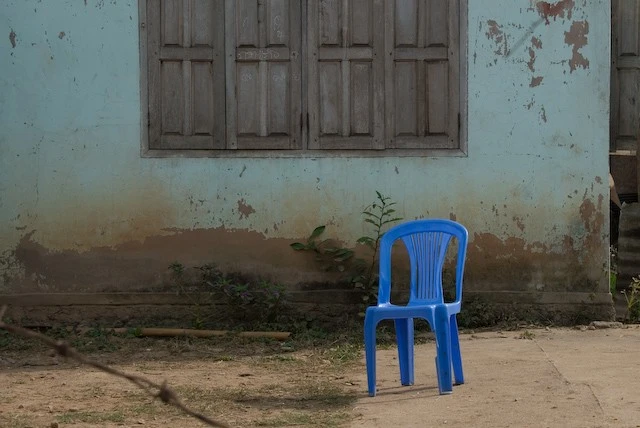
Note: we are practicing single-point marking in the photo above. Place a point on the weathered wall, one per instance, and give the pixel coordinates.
(81, 210)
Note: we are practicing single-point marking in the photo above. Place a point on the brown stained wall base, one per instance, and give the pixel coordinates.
(515, 265)
(143, 265)
(75, 285)
(510, 264)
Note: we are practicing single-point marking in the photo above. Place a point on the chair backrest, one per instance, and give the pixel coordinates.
(426, 242)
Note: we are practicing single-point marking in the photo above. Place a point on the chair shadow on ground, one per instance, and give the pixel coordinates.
(401, 393)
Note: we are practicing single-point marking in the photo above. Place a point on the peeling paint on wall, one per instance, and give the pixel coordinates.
(12, 38)
(245, 209)
(559, 9)
(535, 81)
(536, 44)
(496, 34)
(543, 114)
(577, 38)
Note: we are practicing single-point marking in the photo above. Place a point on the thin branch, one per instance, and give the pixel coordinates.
(62, 348)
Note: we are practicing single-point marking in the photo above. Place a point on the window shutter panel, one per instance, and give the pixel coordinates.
(346, 74)
(422, 74)
(625, 110)
(263, 74)
(186, 69)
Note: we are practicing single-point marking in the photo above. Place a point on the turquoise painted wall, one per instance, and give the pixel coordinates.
(74, 189)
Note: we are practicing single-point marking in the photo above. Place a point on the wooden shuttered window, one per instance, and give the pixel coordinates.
(185, 51)
(422, 74)
(302, 75)
(346, 74)
(264, 97)
(625, 75)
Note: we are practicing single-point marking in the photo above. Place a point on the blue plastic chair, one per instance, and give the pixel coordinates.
(426, 242)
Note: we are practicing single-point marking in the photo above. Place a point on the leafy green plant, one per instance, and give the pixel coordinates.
(632, 297)
(261, 299)
(361, 273)
(527, 335)
(613, 270)
(178, 276)
(177, 269)
(481, 312)
(379, 214)
(95, 339)
(5, 339)
(244, 300)
(330, 256)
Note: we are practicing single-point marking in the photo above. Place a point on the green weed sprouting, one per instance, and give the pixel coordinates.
(361, 274)
(256, 301)
(632, 297)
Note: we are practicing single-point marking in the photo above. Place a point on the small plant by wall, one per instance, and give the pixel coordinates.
(613, 270)
(632, 298)
(361, 273)
(240, 302)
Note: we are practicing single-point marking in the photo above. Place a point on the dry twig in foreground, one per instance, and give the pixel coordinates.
(62, 348)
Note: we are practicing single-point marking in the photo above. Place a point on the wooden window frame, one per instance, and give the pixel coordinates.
(305, 151)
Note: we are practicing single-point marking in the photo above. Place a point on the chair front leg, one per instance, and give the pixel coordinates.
(456, 356)
(443, 350)
(370, 324)
(404, 339)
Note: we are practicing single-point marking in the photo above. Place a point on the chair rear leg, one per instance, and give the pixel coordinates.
(370, 353)
(443, 350)
(456, 356)
(404, 339)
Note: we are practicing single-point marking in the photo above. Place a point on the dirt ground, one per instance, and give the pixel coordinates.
(527, 378)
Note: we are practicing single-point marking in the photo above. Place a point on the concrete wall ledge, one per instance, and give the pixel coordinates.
(337, 296)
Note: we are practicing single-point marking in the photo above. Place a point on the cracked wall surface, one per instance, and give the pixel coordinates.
(81, 210)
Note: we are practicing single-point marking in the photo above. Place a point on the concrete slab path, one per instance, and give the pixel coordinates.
(528, 378)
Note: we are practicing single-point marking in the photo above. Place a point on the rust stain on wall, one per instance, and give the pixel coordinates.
(592, 219)
(518, 221)
(555, 10)
(574, 264)
(577, 37)
(496, 34)
(528, 266)
(245, 209)
(535, 81)
(535, 44)
(532, 60)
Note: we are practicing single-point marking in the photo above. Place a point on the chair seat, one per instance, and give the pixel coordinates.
(412, 310)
